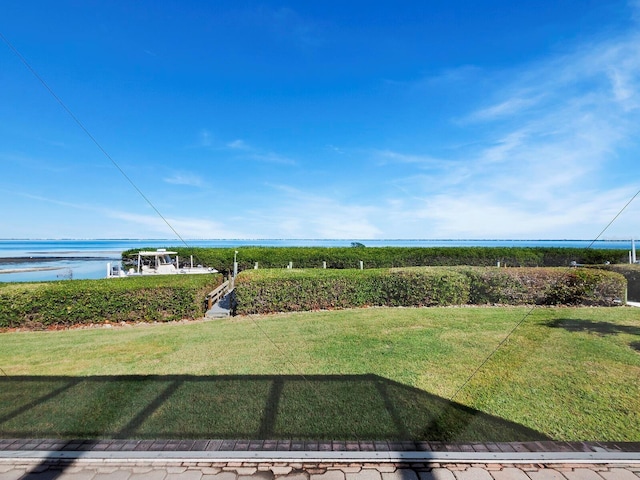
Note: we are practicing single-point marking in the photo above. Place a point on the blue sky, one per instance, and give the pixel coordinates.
(355, 120)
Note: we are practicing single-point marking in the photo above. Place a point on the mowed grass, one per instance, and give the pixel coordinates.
(564, 374)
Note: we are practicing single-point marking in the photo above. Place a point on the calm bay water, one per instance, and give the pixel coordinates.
(87, 259)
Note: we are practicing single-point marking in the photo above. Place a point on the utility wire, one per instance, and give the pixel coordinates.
(614, 219)
(282, 354)
(88, 133)
(526, 315)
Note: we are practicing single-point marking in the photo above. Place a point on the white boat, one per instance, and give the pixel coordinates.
(159, 262)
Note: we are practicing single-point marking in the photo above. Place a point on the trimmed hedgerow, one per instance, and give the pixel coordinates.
(545, 286)
(389, 257)
(266, 291)
(632, 273)
(157, 298)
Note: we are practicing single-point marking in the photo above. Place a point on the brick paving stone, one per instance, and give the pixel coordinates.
(246, 471)
(479, 447)
(176, 469)
(81, 475)
(546, 474)
(284, 445)
(199, 445)
(210, 470)
(339, 446)
(400, 474)
(296, 476)
(297, 446)
(473, 473)
(15, 445)
(225, 476)
(185, 445)
(257, 476)
(505, 447)
(532, 446)
(242, 445)
(256, 445)
(143, 445)
(329, 475)
(212, 445)
(115, 475)
(281, 470)
(353, 446)
(386, 468)
(15, 474)
(381, 446)
(619, 474)
(494, 467)
(142, 469)
(437, 474)
(270, 444)
(158, 445)
(364, 474)
(367, 446)
(510, 473)
(227, 445)
(156, 474)
(107, 468)
(582, 474)
(423, 447)
(188, 475)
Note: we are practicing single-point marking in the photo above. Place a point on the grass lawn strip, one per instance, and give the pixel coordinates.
(566, 374)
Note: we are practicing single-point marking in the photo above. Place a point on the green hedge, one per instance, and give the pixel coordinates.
(157, 298)
(632, 274)
(388, 257)
(545, 286)
(266, 291)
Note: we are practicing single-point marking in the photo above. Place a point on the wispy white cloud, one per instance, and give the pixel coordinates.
(187, 179)
(238, 145)
(206, 139)
(508, 107)
(302, 214)
(546, 155)
(187, 227)
(252, 153)
(389, 157)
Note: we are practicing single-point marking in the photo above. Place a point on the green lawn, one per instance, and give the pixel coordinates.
(566, 374)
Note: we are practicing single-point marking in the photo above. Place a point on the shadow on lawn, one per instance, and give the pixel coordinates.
(319, 407)
(600, 328)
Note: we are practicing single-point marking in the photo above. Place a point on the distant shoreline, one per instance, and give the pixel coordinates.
(13, 260)
(27, 270)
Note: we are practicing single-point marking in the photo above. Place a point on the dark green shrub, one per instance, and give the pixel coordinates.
(389, 257)
(581, 286)
(266, 291)
(157, 298)
(632, 274)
